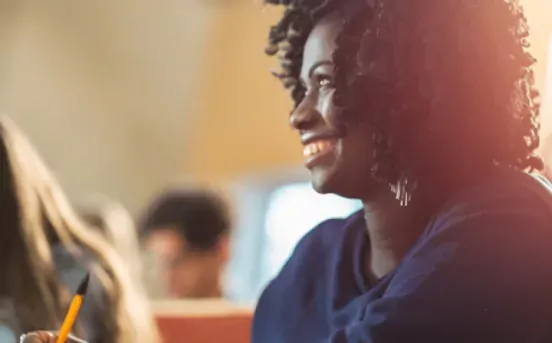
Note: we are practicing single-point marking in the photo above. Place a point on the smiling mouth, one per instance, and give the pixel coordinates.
(316, 150)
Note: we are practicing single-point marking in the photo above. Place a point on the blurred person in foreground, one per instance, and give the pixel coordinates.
(46, 250)
(115, 224)
(189, 231)
(427, 112)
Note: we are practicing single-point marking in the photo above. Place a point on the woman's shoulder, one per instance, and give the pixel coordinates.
(511, 194)
(507, 186)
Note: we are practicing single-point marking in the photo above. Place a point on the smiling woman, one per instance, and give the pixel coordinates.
(426, 111)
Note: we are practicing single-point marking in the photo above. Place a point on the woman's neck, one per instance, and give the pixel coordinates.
(392, 230)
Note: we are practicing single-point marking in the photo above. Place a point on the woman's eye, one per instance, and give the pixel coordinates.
(317, 82)
(324, 81)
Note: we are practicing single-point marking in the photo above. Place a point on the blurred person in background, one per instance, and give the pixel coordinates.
(427, 112)
(46, 250)
(189, 231)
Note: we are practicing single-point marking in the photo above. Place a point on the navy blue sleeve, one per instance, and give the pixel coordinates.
(481, 274)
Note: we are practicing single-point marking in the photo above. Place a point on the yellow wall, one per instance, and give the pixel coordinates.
(242, 111)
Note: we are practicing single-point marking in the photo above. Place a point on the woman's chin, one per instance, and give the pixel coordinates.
(324, 181)
(328, 181)
(319, 188)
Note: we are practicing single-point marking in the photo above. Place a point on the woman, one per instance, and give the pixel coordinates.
(427, 112)
(46, 248)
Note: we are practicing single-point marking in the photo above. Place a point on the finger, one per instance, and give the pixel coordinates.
(70, 339)
(38, 337)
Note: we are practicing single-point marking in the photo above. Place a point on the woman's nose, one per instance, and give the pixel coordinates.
(304, 116)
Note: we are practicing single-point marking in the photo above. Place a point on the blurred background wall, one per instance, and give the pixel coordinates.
(123, 96)
(106, 89)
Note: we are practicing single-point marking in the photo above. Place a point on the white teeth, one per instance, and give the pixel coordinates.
(315, 148)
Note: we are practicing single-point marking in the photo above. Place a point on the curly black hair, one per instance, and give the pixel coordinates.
(441, 80)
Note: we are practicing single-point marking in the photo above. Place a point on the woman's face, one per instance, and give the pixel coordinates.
(339, 159)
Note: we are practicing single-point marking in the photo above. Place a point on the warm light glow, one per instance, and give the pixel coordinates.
(547, 101)
(546, 109)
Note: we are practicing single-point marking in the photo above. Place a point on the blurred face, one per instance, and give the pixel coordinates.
(339, 158)
(188, 274)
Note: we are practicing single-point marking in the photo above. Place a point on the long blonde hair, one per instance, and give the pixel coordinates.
(34, 211)
(115, 224)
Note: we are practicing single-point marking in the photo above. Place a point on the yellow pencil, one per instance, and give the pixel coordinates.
(73, 312)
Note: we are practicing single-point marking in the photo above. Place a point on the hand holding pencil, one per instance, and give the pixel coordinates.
(63, 335)
(46, 337)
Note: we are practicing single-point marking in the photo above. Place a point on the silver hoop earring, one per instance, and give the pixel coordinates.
(402, 192)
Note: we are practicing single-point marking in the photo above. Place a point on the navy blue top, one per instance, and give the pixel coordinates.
(480, 273)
